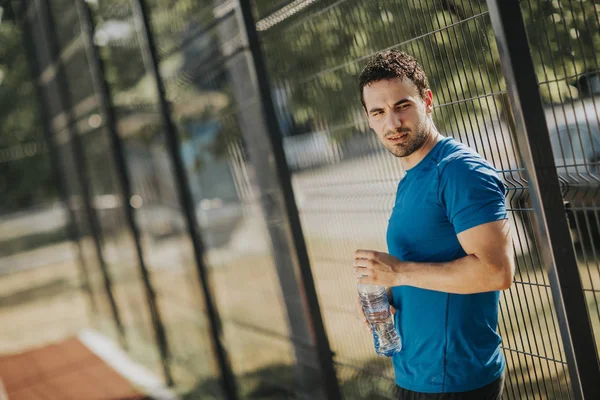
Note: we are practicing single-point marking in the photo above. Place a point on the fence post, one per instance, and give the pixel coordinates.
(106, 105)
(283, 221)
(150, 57)
(555, 240)
(77, 148)
(73, 230)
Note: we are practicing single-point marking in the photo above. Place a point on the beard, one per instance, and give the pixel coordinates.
(413, 142)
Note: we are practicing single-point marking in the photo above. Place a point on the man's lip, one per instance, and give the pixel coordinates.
(397, 138)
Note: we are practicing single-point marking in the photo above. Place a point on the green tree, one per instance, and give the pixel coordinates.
(563, 36)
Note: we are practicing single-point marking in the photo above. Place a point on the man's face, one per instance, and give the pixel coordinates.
(398, 114)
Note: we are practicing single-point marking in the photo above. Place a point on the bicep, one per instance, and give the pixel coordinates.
(490, 242)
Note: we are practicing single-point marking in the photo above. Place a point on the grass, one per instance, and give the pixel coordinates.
(40, 306)
(15, 245)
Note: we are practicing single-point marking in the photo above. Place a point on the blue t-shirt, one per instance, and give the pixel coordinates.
(449, 341)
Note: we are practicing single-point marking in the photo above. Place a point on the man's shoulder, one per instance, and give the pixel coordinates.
(456, 157)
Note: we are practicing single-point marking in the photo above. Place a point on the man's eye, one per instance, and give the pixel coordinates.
(376, 113)
(402, 106)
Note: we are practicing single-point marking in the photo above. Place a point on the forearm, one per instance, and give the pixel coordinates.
(462, 276)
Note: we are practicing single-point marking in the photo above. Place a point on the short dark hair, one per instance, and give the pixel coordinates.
(393, 64)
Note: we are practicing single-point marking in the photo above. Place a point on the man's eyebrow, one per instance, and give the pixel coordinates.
(372, 110)
(399, 102)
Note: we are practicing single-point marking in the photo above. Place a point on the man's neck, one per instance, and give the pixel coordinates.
(412, 160)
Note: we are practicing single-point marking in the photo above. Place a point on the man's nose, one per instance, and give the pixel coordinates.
(393, 121)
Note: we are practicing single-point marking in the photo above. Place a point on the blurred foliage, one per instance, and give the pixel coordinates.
(317, 54)
(313, 54)
(561, 35)
(25, 176)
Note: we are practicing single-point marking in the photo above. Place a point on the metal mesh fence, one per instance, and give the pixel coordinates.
(343, 180)
(76, 113)
(566, 47)
(347, 188)
(169, 278)
(41, 295)
(205, 71)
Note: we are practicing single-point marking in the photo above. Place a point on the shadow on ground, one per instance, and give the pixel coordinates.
(53, 288)
(277, 382)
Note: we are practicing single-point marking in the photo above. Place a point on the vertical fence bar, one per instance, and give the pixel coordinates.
(278, 193)
(78, 153)
(242, 78)
(150, 57)
(106, 105)
(21, 18)
(555, 240)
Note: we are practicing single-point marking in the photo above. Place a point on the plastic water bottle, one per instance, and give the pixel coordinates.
(376, 306)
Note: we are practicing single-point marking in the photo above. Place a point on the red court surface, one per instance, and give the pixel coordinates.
(64, 371)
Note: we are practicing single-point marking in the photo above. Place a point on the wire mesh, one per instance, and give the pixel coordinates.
(41, 297)
(166, 248)
(204, 65)
(344, 182)
(50, 96)
(345, 190)
(566, 49)
(81, 118)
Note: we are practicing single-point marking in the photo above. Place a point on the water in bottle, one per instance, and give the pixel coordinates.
(376, 306)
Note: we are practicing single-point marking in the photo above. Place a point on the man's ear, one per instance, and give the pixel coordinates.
(428, 101)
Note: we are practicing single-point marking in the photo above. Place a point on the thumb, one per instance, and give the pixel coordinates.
(392, 310)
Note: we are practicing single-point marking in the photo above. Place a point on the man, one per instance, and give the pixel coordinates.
(449, 243)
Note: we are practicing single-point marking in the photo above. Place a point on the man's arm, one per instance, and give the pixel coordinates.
(488, 266)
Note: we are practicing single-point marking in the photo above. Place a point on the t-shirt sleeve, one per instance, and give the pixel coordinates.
(471, 193)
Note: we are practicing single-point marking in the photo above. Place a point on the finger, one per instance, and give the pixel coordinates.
(362, 319)
(392, 310)
(365, 280)
(360, 309)
(361, 262)
(362, 272)
(366, 254)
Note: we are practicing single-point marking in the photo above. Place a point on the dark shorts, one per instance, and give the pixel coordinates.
(492, 391)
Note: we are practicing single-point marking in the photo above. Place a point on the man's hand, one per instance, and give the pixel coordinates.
(376, 268)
